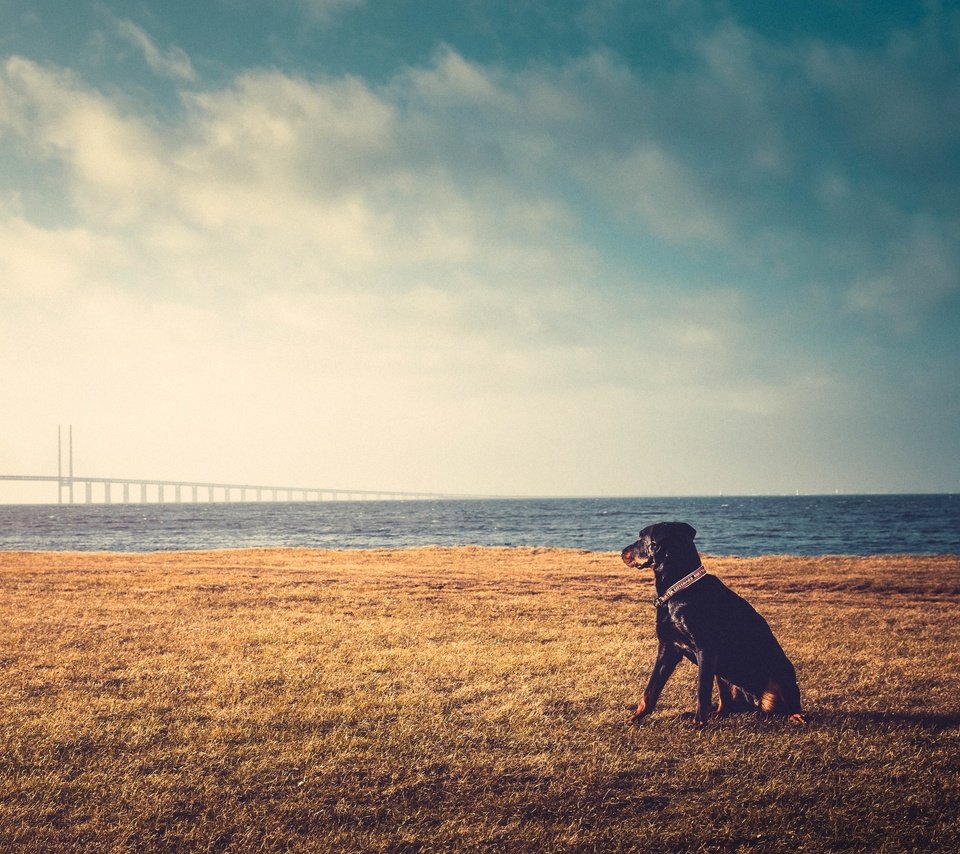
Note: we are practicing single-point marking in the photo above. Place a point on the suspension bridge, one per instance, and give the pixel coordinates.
(106, 490)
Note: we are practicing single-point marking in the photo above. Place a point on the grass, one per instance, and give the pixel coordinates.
(460, 699)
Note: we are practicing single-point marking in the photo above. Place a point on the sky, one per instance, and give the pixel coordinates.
(478, 246)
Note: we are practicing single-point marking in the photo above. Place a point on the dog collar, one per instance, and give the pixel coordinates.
(682, 584)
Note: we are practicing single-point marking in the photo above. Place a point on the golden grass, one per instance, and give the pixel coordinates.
(460, 699)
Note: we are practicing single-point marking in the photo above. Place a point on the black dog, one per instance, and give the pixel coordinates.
(700, 618)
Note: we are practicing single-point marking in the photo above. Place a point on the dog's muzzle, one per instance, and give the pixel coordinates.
(634, 557)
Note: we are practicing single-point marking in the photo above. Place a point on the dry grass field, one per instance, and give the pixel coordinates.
(460, 699)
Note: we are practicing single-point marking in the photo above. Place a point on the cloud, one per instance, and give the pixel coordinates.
(919, 273)
(650, 188)
(280, 185)
(896, 103)
(458, 276)
(171, 63)
(115, 161)
(46, 264)
(277, 192)
(321, 11)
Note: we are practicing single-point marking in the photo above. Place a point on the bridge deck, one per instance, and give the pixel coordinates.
(216, 491)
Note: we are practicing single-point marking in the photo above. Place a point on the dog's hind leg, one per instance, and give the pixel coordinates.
(725, 703)
(771, 701)
(732, 699)
(783, 699)
(791, 697)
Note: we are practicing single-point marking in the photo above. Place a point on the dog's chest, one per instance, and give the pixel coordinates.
(676, 632)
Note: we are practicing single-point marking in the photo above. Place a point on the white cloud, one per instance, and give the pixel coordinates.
(171, 63)
(453, 81)
(325, 202)
(50, 264)
(653, 190)
(116, 162)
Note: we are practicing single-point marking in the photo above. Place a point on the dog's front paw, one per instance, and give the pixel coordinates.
(700, 717)
(641, 712)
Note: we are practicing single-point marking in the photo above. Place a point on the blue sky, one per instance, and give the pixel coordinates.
(542, 248)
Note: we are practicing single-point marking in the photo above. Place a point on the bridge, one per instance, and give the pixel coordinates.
(181, 491)
(152, 490)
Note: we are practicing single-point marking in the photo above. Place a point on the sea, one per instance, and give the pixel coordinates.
(748, 525)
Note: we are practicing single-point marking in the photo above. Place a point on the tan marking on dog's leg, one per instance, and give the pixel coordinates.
(772, 699)
(725, 702)
(639, 713)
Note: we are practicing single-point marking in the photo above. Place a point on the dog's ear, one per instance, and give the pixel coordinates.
(663, 531)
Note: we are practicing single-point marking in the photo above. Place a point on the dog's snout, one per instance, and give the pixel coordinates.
(634, 557)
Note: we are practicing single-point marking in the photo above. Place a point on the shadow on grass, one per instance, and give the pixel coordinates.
(871, 720)
(825, 717)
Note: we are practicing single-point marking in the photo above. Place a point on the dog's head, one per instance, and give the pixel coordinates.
(661, 543)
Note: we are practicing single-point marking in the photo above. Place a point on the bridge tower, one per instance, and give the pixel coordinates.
(60, 477)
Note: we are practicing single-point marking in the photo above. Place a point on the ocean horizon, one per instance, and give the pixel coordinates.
(749, 525)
